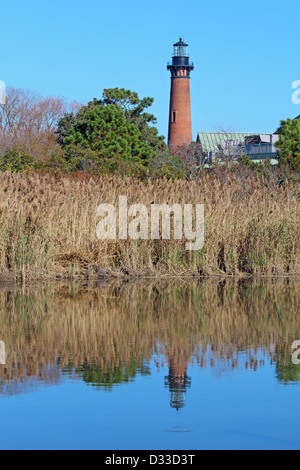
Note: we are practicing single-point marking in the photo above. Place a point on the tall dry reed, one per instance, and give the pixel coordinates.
(48, 226)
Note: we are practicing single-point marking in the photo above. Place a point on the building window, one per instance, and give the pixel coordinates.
(173, 116)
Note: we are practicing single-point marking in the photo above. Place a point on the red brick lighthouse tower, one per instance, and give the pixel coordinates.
(180, 118)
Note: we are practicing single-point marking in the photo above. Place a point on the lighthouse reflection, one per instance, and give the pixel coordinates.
(178, 381)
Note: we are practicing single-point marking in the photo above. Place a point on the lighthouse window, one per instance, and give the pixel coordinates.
(174, 116)
(181, 51)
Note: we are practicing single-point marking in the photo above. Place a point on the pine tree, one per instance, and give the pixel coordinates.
(113, 128)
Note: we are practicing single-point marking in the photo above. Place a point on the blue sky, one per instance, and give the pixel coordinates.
(246, 54)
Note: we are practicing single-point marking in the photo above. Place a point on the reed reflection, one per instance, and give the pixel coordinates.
(107, 335)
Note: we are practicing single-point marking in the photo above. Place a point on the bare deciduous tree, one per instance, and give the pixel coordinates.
(193, 157)
(28, 121)
(230, 148)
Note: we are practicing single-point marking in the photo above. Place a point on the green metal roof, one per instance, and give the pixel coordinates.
(263, 156)
(210, 141)
(272, 161)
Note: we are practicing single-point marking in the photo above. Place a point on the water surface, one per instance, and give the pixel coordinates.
(157, 365)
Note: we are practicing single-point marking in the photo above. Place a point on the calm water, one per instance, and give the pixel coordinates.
(165, 365)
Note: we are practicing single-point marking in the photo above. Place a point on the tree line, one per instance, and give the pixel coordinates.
(116, 134)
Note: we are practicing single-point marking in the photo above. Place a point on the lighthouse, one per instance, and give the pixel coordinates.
(180, 117)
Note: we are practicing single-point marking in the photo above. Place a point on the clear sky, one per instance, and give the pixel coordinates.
(246, 54)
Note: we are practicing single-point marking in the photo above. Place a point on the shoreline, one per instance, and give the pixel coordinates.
(16, 280)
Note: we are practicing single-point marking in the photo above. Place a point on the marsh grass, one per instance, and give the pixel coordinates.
(48, 226)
